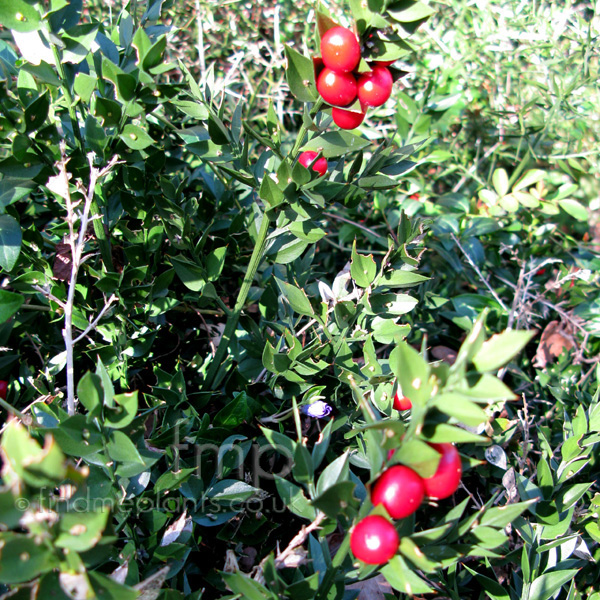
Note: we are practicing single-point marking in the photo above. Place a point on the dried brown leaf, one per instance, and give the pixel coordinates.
(62, 262)
(555, 339)
(444, 353)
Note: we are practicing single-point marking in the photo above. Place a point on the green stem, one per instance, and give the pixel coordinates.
(332, 571)
(304, 129)
(68, 97)
(12, 410)
(234, 315)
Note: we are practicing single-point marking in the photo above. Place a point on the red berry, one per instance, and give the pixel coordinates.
(445, 481)
(401, 402)
(3, 389)
(338, 89)
(306, 158)
(400, 490)
(347, 119)
(374, 540)
(340, 50)
(375, 87)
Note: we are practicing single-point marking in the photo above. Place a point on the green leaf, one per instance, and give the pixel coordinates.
(296, 297)
(13, 569)
(500, 182)
(411, 371)
(530, 178)
(231, 491)
(419, 456)
(336, 143)
(191, 275)
(461, 408)
(246, 586)
(501, 516)
(135, 137)
(401, 279)
(294, 498)
(363, 268)
(492, 588)
(300, 75)
(109, 111)
(391, 304)
(106, 588)
(286, 249)
(333, 473)
(9, 304)
(154, 54)
(303, 469)
(547, 585)
(335, 499)
(406, 11)
(416, 556)
(574, 208)
(403, 579)
(26, 461)
(121, 449)
(273, 361)
(90, 393)
(10, 242)
(126, 85)
(269, 192)
(19, 15)
(36, 113)
(442, 432)
(124, 412)
(81, 531)
(500, 348)
(307, 231)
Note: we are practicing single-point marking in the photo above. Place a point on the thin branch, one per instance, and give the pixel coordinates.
(479, 273)
(77, 244)
(299, 539)
(95, 322)
(356, 224)
(49, 295)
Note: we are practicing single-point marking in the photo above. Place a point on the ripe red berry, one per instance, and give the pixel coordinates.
(347, 119)
(445, 481)
(338, 89)
(340, 50)
(374, 540)
(306, 158)
(400, 490)
(401, 402)
(375, 87)
(3, 389)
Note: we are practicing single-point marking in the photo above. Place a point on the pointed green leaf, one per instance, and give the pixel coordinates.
(300, 75)
(9, 304)
(297, 298)
(500, 348)
(10, 242)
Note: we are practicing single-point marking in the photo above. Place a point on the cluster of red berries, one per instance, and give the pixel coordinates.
(374, 539)
(339, 84)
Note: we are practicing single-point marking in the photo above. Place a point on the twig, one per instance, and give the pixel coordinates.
(76, 243)
(476, 268)
(95, 322)
(201, 58)
(355, 223)
(49, 295)
(298, 539)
